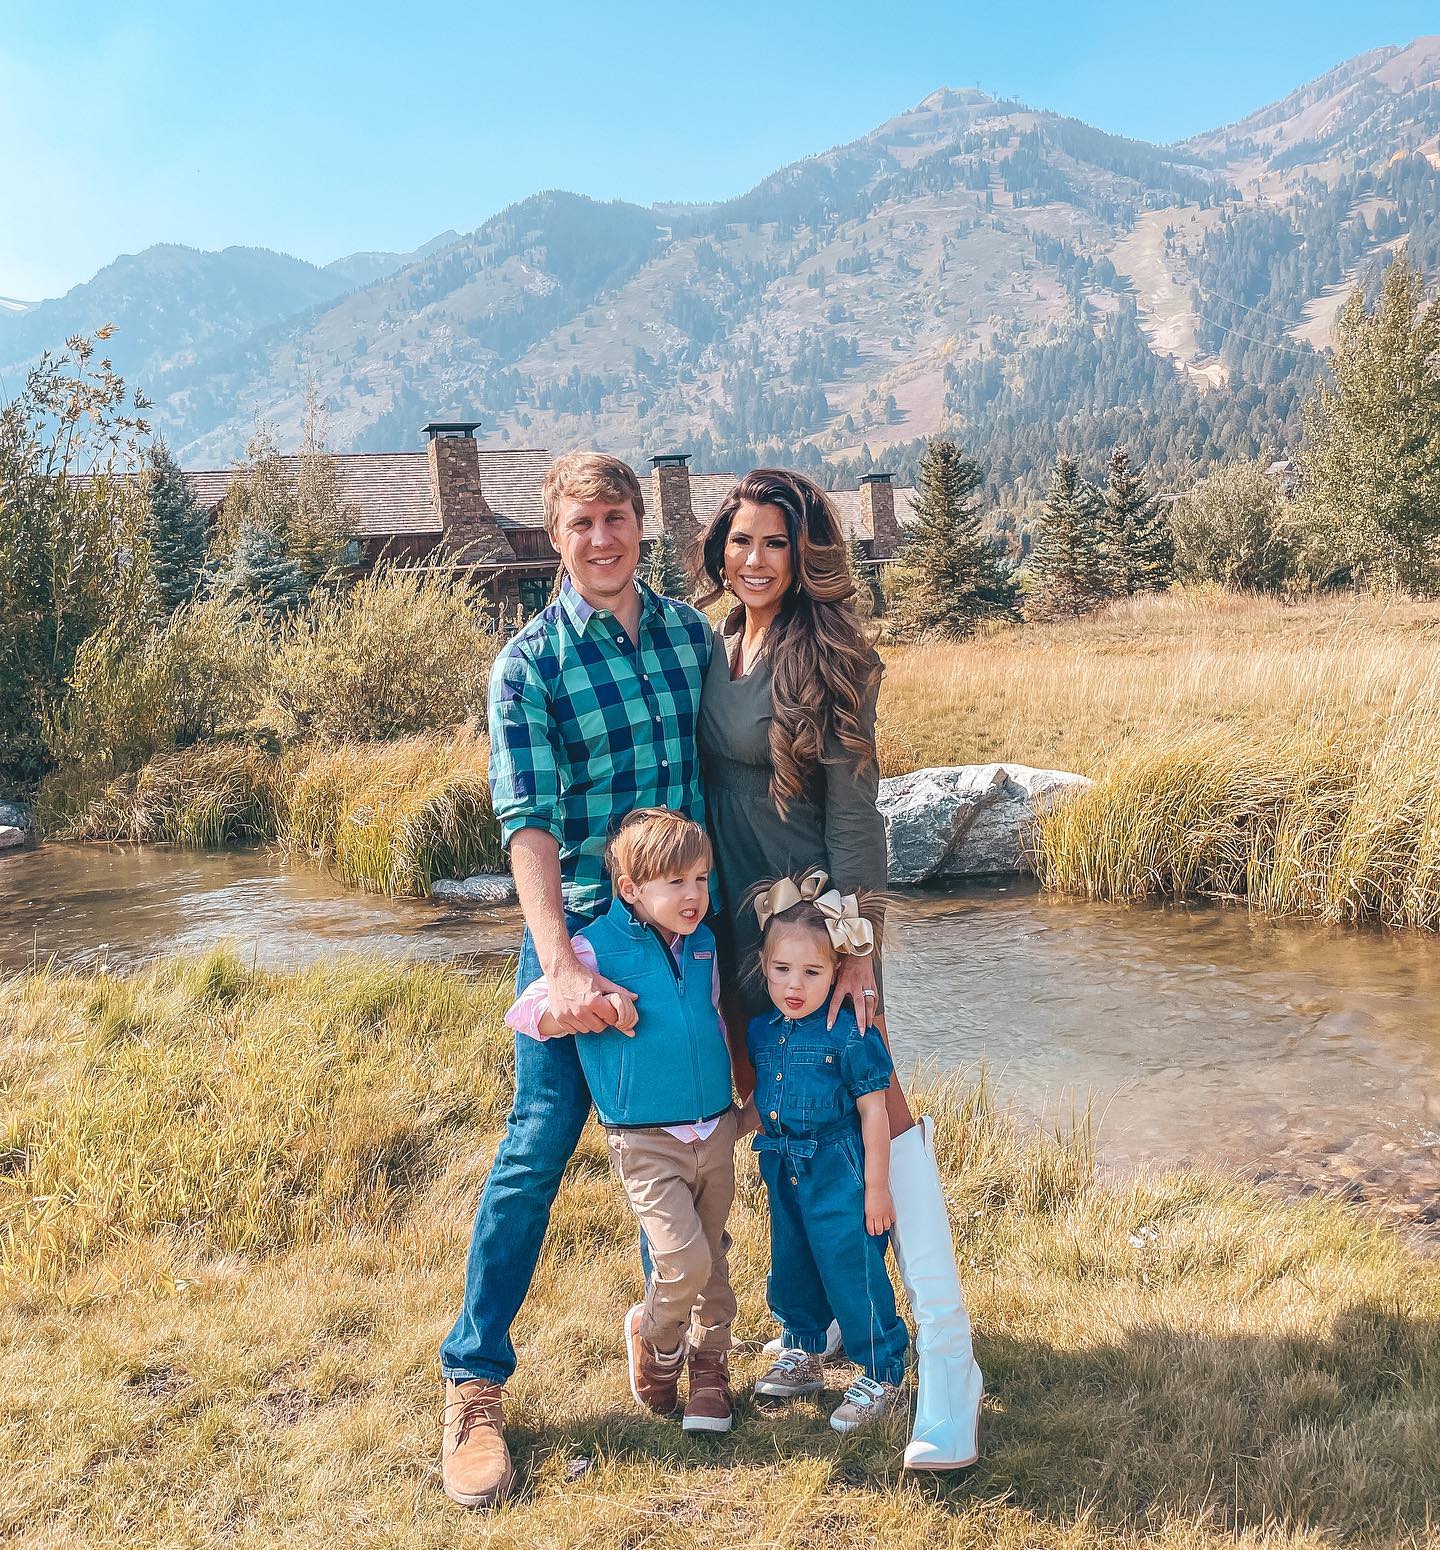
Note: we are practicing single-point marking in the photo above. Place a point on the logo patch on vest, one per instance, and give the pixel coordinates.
(702, 957)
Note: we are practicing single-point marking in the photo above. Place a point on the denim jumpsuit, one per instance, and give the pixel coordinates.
(823, 1263)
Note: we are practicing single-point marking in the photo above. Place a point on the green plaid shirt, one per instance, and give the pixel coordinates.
(586, 726)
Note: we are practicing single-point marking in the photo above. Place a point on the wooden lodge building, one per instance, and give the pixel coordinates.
(477, 509)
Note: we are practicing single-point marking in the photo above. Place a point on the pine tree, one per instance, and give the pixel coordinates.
(1067, 560)
(1140, 550)
(952, 574)
(661, 569)
(262, 574)
(1370, 467)
(179, 531)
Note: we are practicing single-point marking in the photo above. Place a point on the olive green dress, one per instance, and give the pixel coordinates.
(837, 826)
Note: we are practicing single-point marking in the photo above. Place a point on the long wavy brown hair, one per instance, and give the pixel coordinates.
(822, 666)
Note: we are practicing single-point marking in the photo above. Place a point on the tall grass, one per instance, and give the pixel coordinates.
(1242, 746)
(234, 1208)
(133, 694)
(1333, 827)
(1286, 754)
(206, 796)
(392, 817)
(386, 817)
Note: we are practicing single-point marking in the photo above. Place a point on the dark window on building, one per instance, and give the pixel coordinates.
(534, 594)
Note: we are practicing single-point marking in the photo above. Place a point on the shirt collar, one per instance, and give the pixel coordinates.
(580, 613)
(781, 1015)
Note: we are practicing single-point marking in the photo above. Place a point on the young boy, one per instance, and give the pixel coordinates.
(661, 1084)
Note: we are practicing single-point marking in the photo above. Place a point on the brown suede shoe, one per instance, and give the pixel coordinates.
(654, 1376)
(708, 1407)
(474, 1461)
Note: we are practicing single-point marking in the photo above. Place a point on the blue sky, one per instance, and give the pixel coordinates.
(323, 129)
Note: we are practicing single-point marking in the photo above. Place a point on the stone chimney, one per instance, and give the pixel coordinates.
(877, 510)
(670, 498)
(468, 529)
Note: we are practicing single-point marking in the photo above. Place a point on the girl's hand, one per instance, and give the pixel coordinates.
(856, 976)
(879, 1209)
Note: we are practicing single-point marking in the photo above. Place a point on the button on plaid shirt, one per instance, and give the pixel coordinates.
(586, 726)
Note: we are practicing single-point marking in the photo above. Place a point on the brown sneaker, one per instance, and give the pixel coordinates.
(867, 1401)
(707, 1409)
(475, 1464)
(654, 1375)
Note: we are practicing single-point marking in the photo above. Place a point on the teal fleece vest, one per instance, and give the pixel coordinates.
(675, 1068)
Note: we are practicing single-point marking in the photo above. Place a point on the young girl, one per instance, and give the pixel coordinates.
(824, 1145)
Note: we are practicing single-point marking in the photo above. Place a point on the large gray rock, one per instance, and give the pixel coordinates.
(11, 837)
(968, 820)
(483, 888)
(15, 815)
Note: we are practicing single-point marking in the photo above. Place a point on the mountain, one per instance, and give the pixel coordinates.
(358, 269)
(9, 304)
(173, 306)
(1025, 280)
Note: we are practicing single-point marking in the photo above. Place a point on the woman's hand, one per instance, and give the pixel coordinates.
(855, 983)
(879, 1209)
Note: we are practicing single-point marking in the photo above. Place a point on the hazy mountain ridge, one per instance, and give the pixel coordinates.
(172, 305)
(952, 262)
(358, 269)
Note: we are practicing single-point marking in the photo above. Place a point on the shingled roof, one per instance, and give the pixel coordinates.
(708, 490)
(392, 490)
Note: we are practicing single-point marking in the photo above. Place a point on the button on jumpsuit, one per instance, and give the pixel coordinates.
(823, 1263)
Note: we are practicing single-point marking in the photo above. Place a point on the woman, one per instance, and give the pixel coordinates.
(787, 742)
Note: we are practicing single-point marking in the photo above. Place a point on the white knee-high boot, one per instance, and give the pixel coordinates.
(946, 1434)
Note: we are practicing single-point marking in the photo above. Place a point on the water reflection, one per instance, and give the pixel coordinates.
(1307, 1053)
(1203, 1034)
(121, 905)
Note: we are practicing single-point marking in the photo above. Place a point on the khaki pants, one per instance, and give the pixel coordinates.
(680, 1192)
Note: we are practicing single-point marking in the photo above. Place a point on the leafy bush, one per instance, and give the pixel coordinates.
(73, 551)
(131, 697)
(1234, 529)
(404, 651)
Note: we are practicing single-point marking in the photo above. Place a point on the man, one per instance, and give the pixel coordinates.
(593, 712)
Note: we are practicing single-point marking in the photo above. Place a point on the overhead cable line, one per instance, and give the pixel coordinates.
(1269, 344)
(1230, 301)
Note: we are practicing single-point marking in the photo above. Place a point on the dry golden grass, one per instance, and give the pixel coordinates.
(198, 1349)
(1074, 695)
(385, 817)
(1286, 752)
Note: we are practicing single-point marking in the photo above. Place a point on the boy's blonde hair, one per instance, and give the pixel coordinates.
(589, 476)
(655, 842)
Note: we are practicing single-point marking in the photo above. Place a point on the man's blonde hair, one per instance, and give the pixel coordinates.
(656, 842)
(589, 476)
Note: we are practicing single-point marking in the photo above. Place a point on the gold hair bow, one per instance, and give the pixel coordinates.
(850, 932)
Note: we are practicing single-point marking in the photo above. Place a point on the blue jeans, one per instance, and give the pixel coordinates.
(822, 1261)
(551, 1106)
